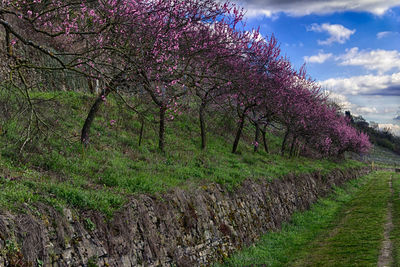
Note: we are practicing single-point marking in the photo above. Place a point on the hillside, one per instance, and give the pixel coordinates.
(56, 169)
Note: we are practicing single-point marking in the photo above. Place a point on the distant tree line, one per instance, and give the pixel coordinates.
(382, 137)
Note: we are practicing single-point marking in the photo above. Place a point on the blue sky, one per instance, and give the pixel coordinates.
(352, 47)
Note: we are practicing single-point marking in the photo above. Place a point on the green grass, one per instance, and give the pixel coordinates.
(357, 236)
(395, 234)
(345, 229)
(57, 169)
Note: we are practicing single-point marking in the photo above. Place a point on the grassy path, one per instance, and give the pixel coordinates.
(395, 233)
(346, 229)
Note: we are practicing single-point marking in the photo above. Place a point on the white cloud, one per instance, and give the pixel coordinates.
(341, 100)
(254, 12)
(365, 84)
(390, 110)
(394, 128)
(320, 58)
(301, 8)
(378, 60)
(381, 35)
(337, 33)
(366, 110)
(256, 35)
(345, 104)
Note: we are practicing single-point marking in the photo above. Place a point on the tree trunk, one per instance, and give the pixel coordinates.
(256, 137)
(202, 126)
(141, 132)
(297, 150)
(161, 136)
(238, 134)
(97, 86)
(8, 43)
(91, 115)
(293, 145)
(95, 107)
(90, 85)
(264, 137)
(284, 143)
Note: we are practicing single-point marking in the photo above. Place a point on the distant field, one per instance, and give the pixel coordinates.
(380, 155)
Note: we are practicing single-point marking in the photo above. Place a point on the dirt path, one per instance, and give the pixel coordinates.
(386, 255)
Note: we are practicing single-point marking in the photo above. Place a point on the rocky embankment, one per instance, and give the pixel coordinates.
(183, 227)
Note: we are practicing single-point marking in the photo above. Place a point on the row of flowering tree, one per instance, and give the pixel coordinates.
(175, 50)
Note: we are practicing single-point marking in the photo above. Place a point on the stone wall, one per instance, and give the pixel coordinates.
(182, 228)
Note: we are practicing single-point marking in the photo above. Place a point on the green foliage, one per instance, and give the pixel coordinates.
(385, 143)
(11, 246)
(13, 253)
(92, 262)
(90, 226)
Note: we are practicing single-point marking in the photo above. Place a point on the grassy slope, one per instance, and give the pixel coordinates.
(345, 229)
(395, 234)
(59, 171)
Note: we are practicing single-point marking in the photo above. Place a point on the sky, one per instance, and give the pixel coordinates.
(351, 47)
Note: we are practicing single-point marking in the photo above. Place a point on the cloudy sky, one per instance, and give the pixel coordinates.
(352, 47)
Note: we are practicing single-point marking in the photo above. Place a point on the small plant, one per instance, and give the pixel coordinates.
(11, 246)
(14, 255)
(92, 262)
(89, 225)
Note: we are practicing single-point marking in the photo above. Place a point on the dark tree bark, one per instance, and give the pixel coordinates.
(91, 115)
(141, 132)
(90, 85)
(293, 146)
(202, 126)
(95, 107)
(264, 137)
(8, 43)
(238, 134)
(256, 137)
(284, 142)
(161, 138)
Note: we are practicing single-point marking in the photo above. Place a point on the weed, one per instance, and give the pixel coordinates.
(92, 262)
(89, 225)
